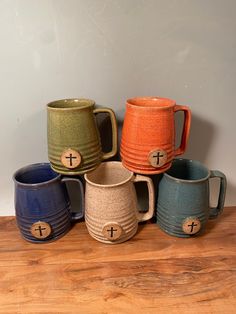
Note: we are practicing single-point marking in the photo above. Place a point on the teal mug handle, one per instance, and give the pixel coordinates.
(215, 211)
(76, 215)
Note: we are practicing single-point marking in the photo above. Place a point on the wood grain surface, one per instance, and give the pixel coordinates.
(151, 273)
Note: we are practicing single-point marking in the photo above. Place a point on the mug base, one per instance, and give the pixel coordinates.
(124, 239)
(73, 173)
(145, 171)
(179, 235)
(46, 241)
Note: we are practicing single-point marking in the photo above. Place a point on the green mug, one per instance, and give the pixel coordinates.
(74, 145)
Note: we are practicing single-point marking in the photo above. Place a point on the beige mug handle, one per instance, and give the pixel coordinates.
(151, 192)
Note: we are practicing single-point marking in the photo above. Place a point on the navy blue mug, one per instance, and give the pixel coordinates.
(183, 207)
(42, 204)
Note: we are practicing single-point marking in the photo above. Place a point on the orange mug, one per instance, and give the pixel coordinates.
(148, 134)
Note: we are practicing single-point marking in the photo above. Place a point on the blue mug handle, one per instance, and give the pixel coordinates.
(215, 211)
(76, 215)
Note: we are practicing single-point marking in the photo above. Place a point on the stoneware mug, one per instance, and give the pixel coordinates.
(111, 207)
(148, 134)
(42, 205)
(74, 145)
(183, 198)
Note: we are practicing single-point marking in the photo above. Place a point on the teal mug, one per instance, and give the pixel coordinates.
(183, 198)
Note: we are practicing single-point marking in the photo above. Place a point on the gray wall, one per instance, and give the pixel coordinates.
(109, 51)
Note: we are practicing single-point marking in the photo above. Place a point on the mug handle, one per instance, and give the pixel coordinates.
(147, 215)
(215, 211)
(186, 129)
(76, 215)
(114, 131)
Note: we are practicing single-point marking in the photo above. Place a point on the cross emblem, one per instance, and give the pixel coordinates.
(70, 158)
(40, 230)
(157, 158)
(112, 231)
(191, 225)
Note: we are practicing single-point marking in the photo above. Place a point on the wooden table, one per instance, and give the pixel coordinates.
(152, 273)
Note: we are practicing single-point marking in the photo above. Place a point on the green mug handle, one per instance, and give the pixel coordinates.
(215, 211)
(114, 131)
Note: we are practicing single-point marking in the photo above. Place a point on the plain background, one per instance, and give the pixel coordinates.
(109, 51)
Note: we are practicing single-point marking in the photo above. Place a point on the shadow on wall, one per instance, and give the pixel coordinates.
(31, 133)
(230, 192)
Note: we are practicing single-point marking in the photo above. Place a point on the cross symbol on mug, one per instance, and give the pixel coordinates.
(40, 229)
(111, 231)
(158, 157)
(71, 157)
(192, 226)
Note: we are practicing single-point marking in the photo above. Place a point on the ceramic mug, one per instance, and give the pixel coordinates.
(111, 208)
(74, 145)
(42, 205)
(148, 134)
(183, 198)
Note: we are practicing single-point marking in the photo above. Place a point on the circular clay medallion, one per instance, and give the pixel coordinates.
(157, 158)
(191, 225)
(71, 158)
(40, 230)
(112, 231)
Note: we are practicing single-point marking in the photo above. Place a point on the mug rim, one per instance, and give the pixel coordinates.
(103, 164)
(88, 103)
(185, 180)
(30, 167)
(131, 102)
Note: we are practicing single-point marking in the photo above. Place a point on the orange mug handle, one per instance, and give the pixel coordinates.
(186, 128)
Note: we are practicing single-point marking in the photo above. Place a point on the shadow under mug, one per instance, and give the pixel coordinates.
(42, 205)
(183, 198)
(74, 143)
(112, 213)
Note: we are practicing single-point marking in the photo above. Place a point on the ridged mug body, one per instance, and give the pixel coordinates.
(73, 129)
(178, 201)
(183, 207)
(42, 207)
(145, 131)
(148, 134)
(111, 205)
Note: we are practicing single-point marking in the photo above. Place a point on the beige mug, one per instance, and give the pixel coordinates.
(112, 213)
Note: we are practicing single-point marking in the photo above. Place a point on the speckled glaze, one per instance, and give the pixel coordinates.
(41, 198)
(148, 134)
(183, 198)
(111, 202)
(72, 129)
